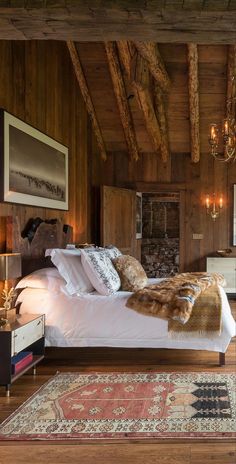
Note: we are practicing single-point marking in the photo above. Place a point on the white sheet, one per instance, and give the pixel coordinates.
(96, 320)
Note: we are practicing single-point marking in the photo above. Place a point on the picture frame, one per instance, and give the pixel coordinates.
(33, 166)
(234, 215)
(138, 215)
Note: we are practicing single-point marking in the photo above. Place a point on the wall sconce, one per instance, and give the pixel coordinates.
(214, 206)
(10, 268)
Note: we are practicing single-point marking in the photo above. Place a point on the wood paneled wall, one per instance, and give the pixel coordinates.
(197, 180)
(38, 85)
(207, 176)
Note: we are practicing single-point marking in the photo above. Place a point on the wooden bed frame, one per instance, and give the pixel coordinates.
(55, 235)
(46, 236)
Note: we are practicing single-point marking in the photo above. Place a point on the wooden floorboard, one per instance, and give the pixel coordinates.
(137, 452)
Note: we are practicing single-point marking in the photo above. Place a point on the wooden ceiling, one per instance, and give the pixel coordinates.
(210, 95)
(179, 21)
(149, 82)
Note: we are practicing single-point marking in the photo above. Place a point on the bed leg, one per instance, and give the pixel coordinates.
(222, 359)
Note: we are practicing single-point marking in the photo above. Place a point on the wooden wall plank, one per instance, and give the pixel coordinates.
(36, 83)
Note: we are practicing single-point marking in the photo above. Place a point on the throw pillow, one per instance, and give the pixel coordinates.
(100, 271)
(132, 275)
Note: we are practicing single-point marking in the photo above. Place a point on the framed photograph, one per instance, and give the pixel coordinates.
(33, 166)
(234, 215)
(138, 215)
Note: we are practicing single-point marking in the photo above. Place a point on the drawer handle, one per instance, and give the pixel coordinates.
(15, 335)
(39, 322)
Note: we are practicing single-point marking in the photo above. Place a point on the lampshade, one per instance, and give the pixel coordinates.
(10, 266)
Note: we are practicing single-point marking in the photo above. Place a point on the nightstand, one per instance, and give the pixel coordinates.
(25, 333)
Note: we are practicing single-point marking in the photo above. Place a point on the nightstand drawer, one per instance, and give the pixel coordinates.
(27, 334)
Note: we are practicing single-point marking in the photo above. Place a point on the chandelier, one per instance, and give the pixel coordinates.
(226, 137)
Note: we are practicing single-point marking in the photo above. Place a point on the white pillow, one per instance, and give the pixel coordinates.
(47, 278)
(68, 263)
(100, 271)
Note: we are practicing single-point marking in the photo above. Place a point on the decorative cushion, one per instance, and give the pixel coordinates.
(100, 271)
(132, 275)
(112, 252)
(68, 263)
(46, 278)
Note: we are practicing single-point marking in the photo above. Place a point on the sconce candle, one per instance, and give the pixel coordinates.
(221, 202)
(213, 207)
(207, 202)
(226, 128)
(213, 132)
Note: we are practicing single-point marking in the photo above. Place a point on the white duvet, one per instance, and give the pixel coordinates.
(95, 320)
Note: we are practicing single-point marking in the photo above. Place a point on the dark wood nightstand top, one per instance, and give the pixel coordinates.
(20, 321)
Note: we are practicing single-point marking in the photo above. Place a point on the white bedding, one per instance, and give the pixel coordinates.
(96, 320)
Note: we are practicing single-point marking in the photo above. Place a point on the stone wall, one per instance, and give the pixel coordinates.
(160, 232)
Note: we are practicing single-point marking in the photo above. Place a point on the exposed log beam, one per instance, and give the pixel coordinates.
(137, 71)
(158, 21)
(194, 101)
(126, 52)
(86, 96)
(149, 51)
(160, 108)
(231, 84)
(121, 97)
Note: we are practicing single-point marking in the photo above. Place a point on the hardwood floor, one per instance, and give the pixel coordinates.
(132, 452)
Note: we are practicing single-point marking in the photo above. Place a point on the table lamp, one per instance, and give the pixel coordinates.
(10, 268)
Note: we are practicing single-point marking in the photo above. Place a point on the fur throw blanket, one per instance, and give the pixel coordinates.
(173, 298)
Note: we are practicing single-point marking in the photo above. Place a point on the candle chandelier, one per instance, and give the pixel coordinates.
(227, 140)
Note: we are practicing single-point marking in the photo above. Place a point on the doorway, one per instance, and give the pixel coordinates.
(160, 249)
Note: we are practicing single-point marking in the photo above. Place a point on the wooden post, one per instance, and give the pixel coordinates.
(222, 359)
(121, 97)
(194, 101)
(87, 98)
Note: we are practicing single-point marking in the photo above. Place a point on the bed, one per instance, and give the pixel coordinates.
(94, 320)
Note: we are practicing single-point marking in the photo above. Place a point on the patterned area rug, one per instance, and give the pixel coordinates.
(127, 406)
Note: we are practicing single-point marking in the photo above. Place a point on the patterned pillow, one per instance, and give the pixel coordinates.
(132, 275)
(112, 252)
(100, 271)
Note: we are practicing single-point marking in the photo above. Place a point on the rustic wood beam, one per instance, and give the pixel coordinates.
(121, 97)
(231, 83)
(161, 21)
(160, 108)
(126, 53)
(231, 71)
(137, 71)
(149, 51)
(86, 96)
(194, 101)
